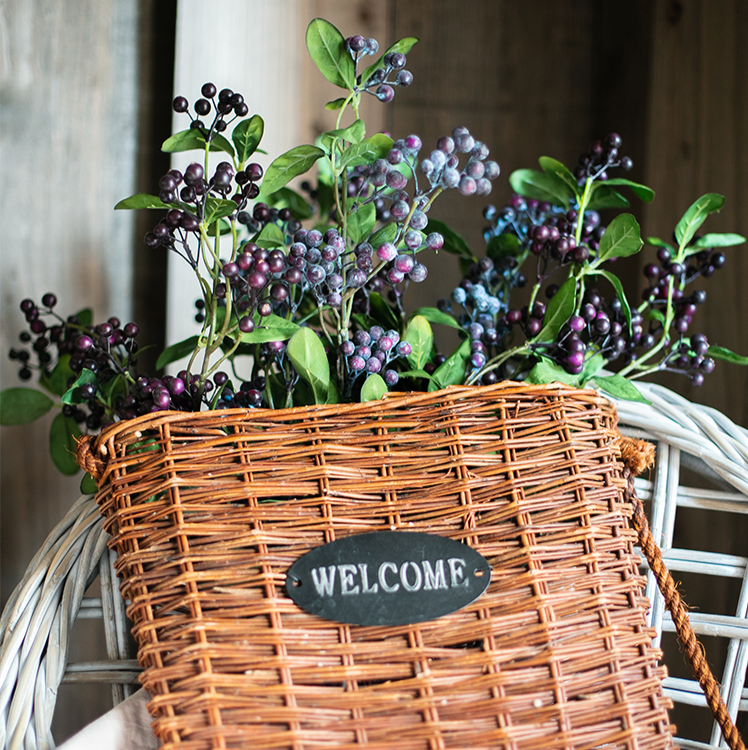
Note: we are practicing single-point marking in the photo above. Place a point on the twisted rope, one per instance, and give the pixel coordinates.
(638, 455)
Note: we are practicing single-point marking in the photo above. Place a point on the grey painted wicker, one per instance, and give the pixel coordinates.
(706, 441)
(35, 625)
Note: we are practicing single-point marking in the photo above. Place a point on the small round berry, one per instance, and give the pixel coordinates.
(202, 106)
(356, 43)
(466, 185)
(396, 60)
(246, 324)
(49, 300)
(385, 93)
(404, 78)
(387, 251)
(418, 273)
(180, 104)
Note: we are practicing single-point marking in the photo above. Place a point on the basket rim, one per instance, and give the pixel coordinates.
(399, 399)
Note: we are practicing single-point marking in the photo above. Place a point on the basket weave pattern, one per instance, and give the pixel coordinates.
(208, 511)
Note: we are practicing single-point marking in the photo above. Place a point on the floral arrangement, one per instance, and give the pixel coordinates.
(302, 292)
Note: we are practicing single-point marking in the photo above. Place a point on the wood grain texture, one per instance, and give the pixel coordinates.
(68, 103)
(698, 118)
(518, 75)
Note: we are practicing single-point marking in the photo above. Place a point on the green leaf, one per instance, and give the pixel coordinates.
(640, 191)
(615, 282)
(23, 405)
(327, 49)
(619, 387)
(373, 388)
(717, 239)
(382, 312)
(333, 394)
(605, 197)
(294, 162)
(115, 388)
(287, 198)
(271, 328)
(657, 242)
(354, 133)
(434, 315)
(415, 374)
(62, 442)
(336, 103)
(542, 187)
(553, 167)
(386, 234)
(219, 227)
(141, 200)
(270, 236)
(453, 243)
(370, 149)
(560, 308)
(247, 136)
(72, 395)
(307, 354)
(88, 486)
(403, 45)
(361, 222)
(325, 197)
(547, 372)
(58, 380)
(503, 246)
(592, 366)
(177, 351)
(720, 352)
(653, 314)
(85, 316)
(621, 239)
(452, 370)
(419, 335)
(696, 215)
(217, 208)
(193, 140)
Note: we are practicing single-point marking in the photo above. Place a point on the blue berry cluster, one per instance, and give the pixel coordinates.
(383, 79)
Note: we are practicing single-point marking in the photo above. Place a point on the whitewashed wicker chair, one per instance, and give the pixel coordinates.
(35, 627)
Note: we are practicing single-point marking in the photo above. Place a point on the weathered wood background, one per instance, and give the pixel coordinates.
(84, 92)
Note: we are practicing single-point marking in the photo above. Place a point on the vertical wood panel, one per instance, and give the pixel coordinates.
(698, 113)
(68, 115)
(263, 55)
(518, 75)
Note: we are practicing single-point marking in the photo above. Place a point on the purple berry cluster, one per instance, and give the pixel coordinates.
(441, 166)
(599, 328)
(189, 193)
(228, 104)
(370, 352)
(384, 78)
(547, 231)
(600, 158)
(64, 347)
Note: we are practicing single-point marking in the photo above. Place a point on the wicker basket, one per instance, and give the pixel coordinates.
(209, 510)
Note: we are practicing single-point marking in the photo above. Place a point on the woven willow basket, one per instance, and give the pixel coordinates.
(209, 510)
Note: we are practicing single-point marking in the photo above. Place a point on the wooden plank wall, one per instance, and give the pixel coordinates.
(69, 107)
(536, 78)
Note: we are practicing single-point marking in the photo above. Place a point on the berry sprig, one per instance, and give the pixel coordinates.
(302, 296)
(553, 226)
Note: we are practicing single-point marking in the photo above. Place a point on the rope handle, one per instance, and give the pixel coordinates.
(86, 459)
(638, 455)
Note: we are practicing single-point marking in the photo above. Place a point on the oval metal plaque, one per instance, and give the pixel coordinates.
(388, 578)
